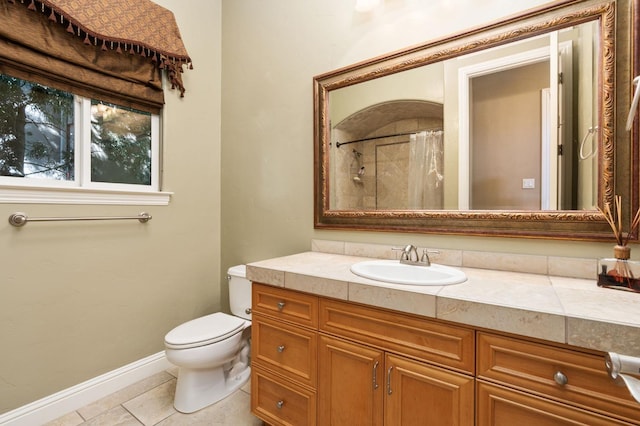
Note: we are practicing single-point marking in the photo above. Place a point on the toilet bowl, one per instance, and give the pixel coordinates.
(212, 352)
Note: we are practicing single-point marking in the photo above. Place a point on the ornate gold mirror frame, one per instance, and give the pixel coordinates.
(617, 163)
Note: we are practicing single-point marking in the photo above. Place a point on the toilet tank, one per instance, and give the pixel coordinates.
(239, 291)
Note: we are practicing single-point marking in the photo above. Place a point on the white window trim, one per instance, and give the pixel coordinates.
(75, 195)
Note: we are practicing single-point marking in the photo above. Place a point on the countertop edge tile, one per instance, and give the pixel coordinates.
(542, 325)
(265, 275)
(603, 336)
(395, 299)
(316, 285)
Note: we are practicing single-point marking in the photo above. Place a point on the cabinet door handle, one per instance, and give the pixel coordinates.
(389, 392)
(279, 404)
(375, 375)
(281, 348)
(281, 306)
(560, 378)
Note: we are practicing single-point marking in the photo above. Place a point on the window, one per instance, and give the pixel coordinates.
(52, 139)
(79, 120)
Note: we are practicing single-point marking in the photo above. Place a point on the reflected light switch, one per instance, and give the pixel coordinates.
(529, 183)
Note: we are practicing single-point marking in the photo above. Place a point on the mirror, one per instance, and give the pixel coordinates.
(458, 135)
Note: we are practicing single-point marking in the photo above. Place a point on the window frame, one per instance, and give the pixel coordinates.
(81, 190)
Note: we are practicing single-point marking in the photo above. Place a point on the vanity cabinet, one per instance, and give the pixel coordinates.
(525, 382)
(322, 361)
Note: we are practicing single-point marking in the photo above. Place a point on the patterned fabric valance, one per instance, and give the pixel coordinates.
(138, 27)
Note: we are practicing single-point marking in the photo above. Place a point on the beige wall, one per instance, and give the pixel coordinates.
(79, 299)
(271, 51)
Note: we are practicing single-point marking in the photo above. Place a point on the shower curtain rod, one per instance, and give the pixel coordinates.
(339, 144)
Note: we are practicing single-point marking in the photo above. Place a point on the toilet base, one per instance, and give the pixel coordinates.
(197, 389)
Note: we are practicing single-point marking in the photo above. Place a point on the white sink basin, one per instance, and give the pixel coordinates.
(392, 271)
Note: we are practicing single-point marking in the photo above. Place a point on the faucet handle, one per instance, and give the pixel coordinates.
(403, 255)
(425, 255)
(429, 251)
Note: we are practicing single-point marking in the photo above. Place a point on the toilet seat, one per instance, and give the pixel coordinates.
(204, 331)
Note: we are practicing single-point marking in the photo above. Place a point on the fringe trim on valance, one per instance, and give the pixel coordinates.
(170, 62)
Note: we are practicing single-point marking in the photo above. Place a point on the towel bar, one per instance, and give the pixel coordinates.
(20, 219)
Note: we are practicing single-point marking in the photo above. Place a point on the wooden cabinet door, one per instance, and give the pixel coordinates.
(421, 394)
(350, 384)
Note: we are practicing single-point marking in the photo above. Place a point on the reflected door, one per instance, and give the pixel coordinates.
(505, 148)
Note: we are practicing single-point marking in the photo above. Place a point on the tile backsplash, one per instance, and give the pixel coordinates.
(533, 264)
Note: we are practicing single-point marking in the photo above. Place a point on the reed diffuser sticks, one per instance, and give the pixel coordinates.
(615, 221)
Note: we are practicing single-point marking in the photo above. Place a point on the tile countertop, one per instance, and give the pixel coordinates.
(558, 309)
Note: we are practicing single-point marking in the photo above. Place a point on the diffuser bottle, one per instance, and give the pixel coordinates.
(619, 272)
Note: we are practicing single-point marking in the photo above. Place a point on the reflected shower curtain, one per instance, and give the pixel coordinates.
(426, 159)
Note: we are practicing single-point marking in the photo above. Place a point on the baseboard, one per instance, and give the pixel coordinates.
(53, 406)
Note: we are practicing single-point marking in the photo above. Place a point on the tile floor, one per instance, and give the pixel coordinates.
(150, 402)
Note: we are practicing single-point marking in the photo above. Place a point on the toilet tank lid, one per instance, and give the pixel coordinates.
(204, 330)
(238, 271)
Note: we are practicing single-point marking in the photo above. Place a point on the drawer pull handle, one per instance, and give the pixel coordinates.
(279, 404)
(389, 392)
(375, 375)
(560, 378)
(281, 306)
(281, 348)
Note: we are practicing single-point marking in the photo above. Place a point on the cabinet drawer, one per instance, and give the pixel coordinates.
(286, 305)
(438, 343)
(497, 405)
(280, 402)
(533, 367)
(285, 349)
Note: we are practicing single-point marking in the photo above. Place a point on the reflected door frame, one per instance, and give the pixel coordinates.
(466, 74)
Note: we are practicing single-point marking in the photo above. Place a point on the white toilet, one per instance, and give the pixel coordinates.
(213, 351)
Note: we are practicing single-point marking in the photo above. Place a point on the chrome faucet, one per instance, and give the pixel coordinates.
(410, 256)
